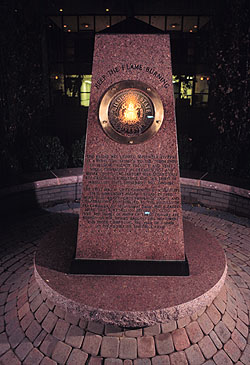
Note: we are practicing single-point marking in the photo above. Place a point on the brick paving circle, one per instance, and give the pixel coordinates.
(35, 331)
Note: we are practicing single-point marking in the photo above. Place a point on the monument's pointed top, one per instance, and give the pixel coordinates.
(132, 26)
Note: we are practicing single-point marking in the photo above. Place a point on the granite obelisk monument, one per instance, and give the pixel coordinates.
(130, 206)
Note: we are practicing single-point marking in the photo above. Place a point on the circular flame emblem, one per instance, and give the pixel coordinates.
(130, 112)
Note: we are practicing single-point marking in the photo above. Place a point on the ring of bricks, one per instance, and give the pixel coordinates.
(35, 331)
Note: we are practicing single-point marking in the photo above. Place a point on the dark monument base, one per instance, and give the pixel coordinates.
(126, 300)
(130, 267)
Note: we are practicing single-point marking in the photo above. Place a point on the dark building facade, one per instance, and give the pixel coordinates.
(71, 28)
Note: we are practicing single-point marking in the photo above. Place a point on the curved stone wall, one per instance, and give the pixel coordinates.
(68, 188)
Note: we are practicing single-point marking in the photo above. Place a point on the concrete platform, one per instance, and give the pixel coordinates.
(125, 300)
(35, 331)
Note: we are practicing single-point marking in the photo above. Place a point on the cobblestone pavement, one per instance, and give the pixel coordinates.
(34, 331)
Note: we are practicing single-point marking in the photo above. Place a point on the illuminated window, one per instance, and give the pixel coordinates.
(78, 87)
(158, 21)
(70, 24)
(72, 85)
(191, 90)
(85, 90)
(117, 19)
(102, 22)
(201, 90)
(174, 23)
(186, 88)
(144, 18)
(176, 85)
(56, 21)
(190, 24)
(183, 89)
(86, 22)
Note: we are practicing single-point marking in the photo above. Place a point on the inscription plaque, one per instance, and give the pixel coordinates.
(131, 112)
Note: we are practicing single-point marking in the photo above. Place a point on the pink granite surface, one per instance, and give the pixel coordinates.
(130, 206)
(125, 300)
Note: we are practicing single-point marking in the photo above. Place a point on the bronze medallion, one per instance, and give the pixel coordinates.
(130, 112)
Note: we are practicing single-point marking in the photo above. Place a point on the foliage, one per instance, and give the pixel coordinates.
(186, 151)
(78, 152)
(229, 77)
(10, 165)
(223, 158)
(220, 158)
(23, 105)
(47, 153)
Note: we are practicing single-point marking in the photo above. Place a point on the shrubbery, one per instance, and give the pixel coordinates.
(47, 153)
(186, 151)
(10, 165)
(77, 152)
(220, 158)
(229, 91)
(227, 159)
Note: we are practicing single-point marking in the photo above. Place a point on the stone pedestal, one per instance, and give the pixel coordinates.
(125, 300)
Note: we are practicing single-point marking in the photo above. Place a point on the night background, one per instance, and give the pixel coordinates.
(45, 79)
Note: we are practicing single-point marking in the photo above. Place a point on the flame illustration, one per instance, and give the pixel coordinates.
(131, 111)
